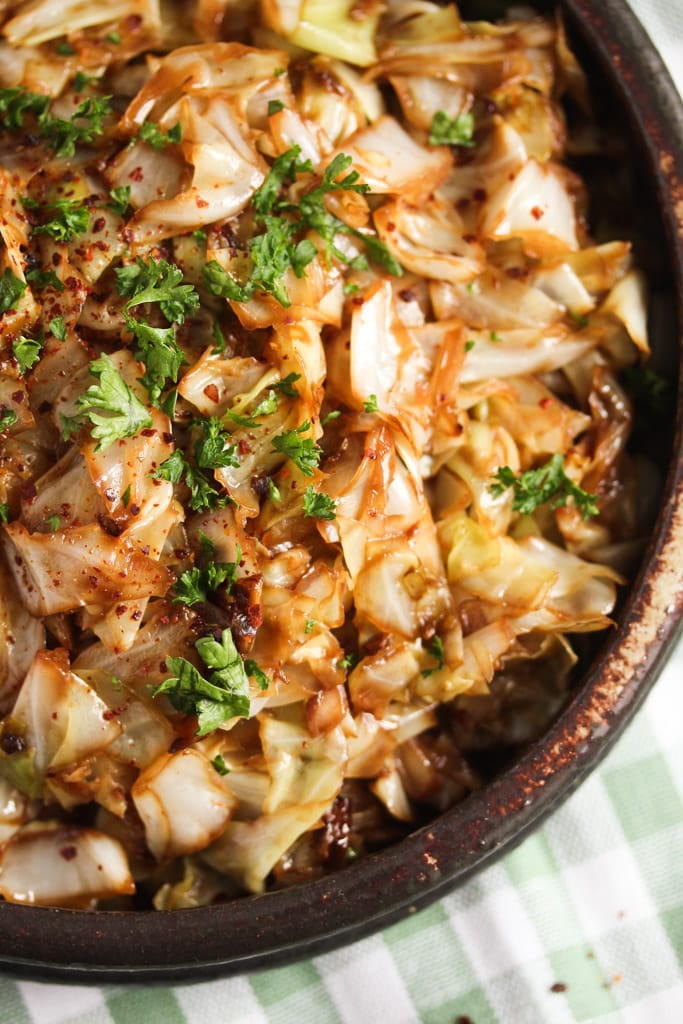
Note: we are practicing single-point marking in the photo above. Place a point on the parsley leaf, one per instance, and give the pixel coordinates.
(254, 670)
(213, 451)
(84, 124)
(317, 505)
(274, 107)
(68, 218)
(203, 496)
(266, 407)
(303, 452)
(53, 523)
(219, 765)
(152, 133)
(547, 483)
(4, 513)
(44, 279)
(27, 353)
(348, 661)
(57, 328)
(119, 199)
(159, 351)
(11, 290)
(16, 102)
(8, 418)
(285, 168)
(157, 281)
(111, 407)
(224, 695)
(286, 385)
(371, 404)
(448, 131)
(435, 649)
(197, 583)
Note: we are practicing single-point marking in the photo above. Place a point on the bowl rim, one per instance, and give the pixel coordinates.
(278, 927)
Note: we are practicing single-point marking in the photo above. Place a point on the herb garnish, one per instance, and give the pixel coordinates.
(11, 290)
(456, 131)
(224, 695)
(538, 486)
(318, 505)
(435, 649)
(197, 583)
(303, 451)
(110, 406)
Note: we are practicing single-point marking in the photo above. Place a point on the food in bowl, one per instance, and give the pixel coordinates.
(315, 411)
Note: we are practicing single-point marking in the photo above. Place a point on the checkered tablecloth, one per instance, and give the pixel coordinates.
(582, 922)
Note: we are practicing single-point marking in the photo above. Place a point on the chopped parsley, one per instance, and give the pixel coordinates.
(253, 669)
(177, 469)
(4, 513)
(371, 404)
(455, 131)
(469, 345)
(83, 126)
(213, 450)
(538, 486)
(302, 451)
(110, 407)
(317, 505)
(11, 290)
(16, 102)
(8, 418)
(27, 353)
(119, 199)
(53, 523)
(214, 700)
(578, 318)
(66, 219)
(310, 626)
(274, 107)
(265, 407)
(286, 385)
(435, 649)
(156, 281)
(276, 250)
(494, 336)
(196, 584)
(151, 133)
(57, 328)
(349, 661)
(334, 415)
(219, 765)
(44, 279)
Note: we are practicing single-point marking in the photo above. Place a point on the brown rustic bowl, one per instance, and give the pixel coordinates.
(267, 930)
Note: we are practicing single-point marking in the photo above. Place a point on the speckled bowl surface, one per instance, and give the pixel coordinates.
(276, 927)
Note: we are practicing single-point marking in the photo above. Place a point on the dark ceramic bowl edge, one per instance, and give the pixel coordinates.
(433, 861)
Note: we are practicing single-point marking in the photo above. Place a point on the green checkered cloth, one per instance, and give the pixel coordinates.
(582, 922)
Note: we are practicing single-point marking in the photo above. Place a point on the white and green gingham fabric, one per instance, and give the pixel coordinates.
(581, 923)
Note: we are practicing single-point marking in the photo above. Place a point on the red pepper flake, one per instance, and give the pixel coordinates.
(546, 402)
(99, 224)
(134, 510)
(136, 174)
(148, 432)
(201, 203)
(559, 986)
(537, 212)
(68, 852)
(211, 392)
